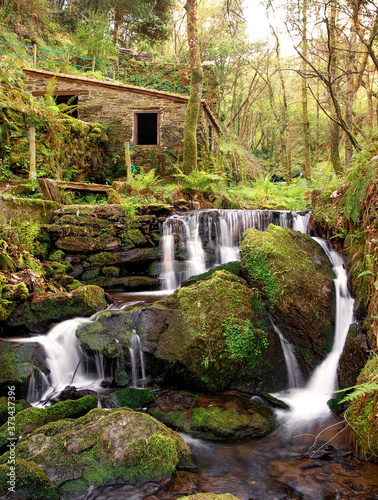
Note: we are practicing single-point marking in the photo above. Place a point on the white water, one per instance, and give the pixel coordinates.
(310, 403)
(138, 371)
(193, 243)
(66, 362)
(294, 374)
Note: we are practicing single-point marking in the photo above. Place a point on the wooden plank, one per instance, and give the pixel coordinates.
(78, 186)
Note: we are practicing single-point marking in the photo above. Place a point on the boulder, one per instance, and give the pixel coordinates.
(104, 446)
(216, 334)
(18, 363)
(31, 483)
(226, 416)
(39, 314)
(295, 278)
(29, 419)
(109, 335)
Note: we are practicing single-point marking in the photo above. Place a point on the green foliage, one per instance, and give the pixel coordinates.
(200, 180)
(244, 341)
(360, 177)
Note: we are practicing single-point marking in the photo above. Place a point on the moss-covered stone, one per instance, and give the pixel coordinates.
(110, 272)
(29, 419)
(31, 483)
(44, 310)
(20, 293)
(226, 416)
(111, 332)
(195, 340)
(57, 256)
(134, 398)
(103, 446)
(77, 488)
(18, 362)
(362, 413)
(16, 407)
(296, 279)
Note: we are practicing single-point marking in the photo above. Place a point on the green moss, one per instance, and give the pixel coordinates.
(77, 488)
(20, 293)
(157, 457)
(36, 417)
(134, 398)
(4, 411)
(110, 272)
(31, 481)
(57, 256)
(362, 413)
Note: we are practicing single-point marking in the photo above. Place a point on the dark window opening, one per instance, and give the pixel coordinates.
(70, 100)
(147, 128)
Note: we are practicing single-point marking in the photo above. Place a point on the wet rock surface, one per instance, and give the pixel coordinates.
(226, 416)
(295, 277)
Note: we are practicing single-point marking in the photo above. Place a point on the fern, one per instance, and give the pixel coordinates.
(359, 391)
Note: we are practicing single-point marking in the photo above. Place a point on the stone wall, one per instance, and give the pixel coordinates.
(116, 104)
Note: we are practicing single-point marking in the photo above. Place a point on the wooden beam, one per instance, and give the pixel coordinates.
(78, 186)
(32, 169)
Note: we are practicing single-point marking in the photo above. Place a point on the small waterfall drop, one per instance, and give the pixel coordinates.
(66, 361)
(310, 403)
(294, 374)
(193, 243)
(138, 371)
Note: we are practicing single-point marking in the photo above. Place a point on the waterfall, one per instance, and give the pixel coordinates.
(310, 403)
(294, 374)
(138, 371)
(193, 243)
(66, 361)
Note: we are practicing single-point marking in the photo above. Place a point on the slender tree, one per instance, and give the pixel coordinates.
(194, 103)
(305, 121)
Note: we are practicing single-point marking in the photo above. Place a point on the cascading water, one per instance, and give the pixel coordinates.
(66, 361)
(138, 371)
(294, 374)
(193, 243)
(310, 403)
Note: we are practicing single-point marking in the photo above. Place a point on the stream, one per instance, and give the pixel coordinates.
(306, 457)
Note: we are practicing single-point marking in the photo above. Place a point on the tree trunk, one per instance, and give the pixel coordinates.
(334, 132)
(193, 108)
(305, 122)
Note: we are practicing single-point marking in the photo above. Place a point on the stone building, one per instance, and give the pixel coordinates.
(151, 120)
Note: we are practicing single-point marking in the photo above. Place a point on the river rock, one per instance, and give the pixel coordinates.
(217, 335)
(18, 363)
(31, 483)
(295, 278)
(109, 335)
(362, 413)
(39, 314)
(227, 416)
(29, 419)
(105, 446)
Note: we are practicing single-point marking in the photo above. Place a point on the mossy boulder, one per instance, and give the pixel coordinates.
(353, 358)
(31, 483)
(31, 418)
(105, 446)
(18, 362)
(295, 278)
(216, 334)
(4, 410)
(109, 335)
(47, 309)
(227, 416)
(134, 398)
(362, 413)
